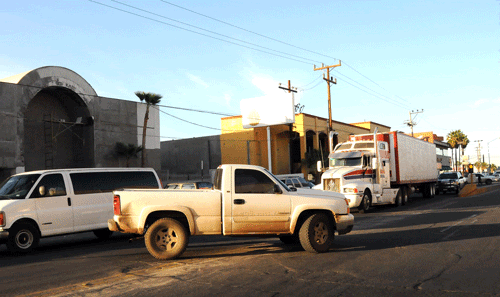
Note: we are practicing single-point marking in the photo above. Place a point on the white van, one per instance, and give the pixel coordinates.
(61, 201)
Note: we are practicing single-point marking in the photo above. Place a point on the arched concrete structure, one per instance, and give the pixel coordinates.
(56, 125)
(84, 127)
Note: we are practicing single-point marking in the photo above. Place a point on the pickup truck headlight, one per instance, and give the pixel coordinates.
(350, 190)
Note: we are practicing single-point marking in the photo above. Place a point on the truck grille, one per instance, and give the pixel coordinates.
(332, 184)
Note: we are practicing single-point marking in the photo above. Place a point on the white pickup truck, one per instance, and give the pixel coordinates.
(246, 200)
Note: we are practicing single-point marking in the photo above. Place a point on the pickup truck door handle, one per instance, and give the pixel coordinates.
(69, 201)
(239, 201)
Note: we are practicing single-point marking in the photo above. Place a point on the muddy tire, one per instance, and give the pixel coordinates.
(23, 238)
(316, 233)
(289, 239)
(366, 203)
(103, 233)
(166, 239)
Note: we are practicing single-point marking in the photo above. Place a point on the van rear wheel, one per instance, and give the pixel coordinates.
(166, 239)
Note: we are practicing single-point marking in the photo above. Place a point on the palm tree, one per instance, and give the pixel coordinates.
(457, 139)
(127, 150)
(150, 99)
(493, 167)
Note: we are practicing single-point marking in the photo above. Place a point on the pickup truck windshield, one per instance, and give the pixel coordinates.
(345, 162)
(17, 187)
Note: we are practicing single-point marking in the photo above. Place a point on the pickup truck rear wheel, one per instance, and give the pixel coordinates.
(23, 238)
(166, 239)
(316, 234)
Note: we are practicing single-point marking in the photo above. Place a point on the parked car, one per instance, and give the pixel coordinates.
(480, 178)
(189, 185)
(44, 203)
(296, 180)
(450, 182)
(491, 176)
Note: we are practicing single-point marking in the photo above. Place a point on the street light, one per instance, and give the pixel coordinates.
(489, 161)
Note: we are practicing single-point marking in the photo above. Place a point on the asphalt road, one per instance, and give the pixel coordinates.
(445, 246)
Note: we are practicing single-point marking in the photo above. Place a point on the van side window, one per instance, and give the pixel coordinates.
(252, 181)
(53, 185)
(103, 182)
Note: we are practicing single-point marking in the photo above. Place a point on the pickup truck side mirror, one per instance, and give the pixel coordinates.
(277, 189)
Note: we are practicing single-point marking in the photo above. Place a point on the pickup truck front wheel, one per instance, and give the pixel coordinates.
(316, 234)
(166, 239)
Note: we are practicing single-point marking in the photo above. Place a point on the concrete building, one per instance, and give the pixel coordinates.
(51, 117)
(188, 159)
(289, 143)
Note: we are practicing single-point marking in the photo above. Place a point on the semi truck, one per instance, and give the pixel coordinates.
(381, 168)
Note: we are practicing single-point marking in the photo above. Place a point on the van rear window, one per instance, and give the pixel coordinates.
(102, 182)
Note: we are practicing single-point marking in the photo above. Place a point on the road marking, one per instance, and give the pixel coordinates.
(457, 223)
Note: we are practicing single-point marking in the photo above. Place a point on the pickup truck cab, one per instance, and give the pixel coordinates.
(246, 200)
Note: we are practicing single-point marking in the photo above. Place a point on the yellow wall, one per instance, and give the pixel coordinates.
(372, 125)
(238, 143)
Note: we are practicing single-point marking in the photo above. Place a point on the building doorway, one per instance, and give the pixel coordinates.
(59, 131)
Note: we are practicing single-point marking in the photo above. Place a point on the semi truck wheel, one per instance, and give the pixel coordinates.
(23, 238)
(406, 194)
(316, 234)
(399, 198)
(366, 203)
(166, 239)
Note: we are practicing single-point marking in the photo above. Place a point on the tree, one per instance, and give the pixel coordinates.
(481, 166)
(127, 150)
(150, 99)
(457, 139)
(493, 167)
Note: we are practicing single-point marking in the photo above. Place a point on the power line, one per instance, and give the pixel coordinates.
(393, 101)
(178, 27)
(270, 38)
(276, 40)
(199, 28)
(229, 37)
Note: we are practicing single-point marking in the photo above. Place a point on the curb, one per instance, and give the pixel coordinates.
(472, 189)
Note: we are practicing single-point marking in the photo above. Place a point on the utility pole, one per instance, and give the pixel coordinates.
(329, 80)
(478, 149)
(411, 123)
(292, 90)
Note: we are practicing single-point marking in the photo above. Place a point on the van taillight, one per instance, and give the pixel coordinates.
(2, 219)
(116, 205)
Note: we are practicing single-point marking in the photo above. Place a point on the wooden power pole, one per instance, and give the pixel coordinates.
(290, 126)
(329, 80)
